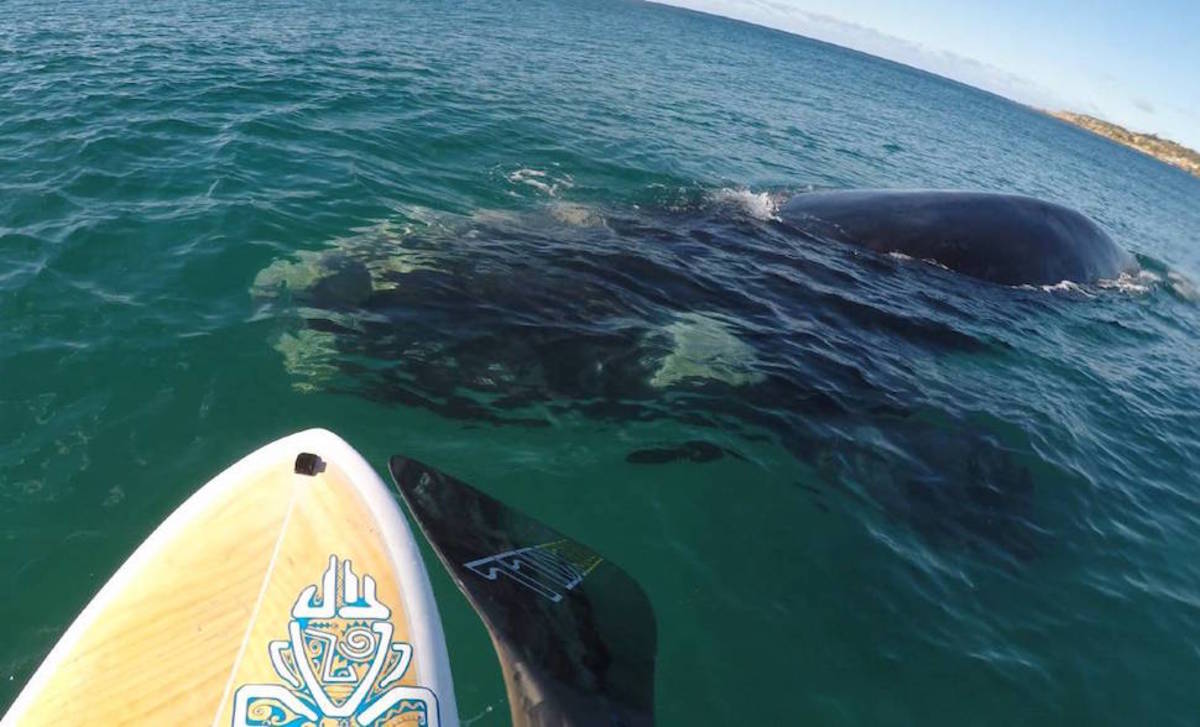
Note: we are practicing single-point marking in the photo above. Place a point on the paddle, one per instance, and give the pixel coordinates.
(574, 633)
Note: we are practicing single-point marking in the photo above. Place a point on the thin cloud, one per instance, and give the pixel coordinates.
(781, 15)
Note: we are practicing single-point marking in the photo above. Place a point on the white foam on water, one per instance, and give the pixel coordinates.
(759, 205)
(1064, 286)
(704, 348)
(1139, 283)
(540, 180)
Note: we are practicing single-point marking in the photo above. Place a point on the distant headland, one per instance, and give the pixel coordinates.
(1164, 150)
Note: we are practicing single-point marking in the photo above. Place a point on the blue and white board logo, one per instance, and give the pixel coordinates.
(339, 665)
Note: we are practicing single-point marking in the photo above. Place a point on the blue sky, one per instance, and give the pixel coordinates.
(1133, 62)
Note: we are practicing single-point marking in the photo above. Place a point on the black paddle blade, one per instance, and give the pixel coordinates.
(574, 633)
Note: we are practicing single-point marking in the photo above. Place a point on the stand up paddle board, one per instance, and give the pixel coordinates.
(289, 591)
(286, 591)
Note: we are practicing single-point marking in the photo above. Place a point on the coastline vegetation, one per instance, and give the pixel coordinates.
(1164, 150)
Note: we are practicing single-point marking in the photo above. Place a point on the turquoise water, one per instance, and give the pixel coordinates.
(521, 240)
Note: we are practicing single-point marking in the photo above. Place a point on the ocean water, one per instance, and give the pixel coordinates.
(522, 240)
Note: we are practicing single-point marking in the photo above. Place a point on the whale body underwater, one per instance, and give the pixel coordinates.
(1001, 238)
(752, 325)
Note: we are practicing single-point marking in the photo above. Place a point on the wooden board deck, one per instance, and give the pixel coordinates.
(269, 597)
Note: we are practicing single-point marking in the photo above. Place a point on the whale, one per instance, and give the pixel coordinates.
(532, 318)
(1000, 238)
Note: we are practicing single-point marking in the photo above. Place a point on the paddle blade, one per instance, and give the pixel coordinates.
(574, 633)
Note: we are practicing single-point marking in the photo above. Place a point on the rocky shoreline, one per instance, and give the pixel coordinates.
(1164, 150)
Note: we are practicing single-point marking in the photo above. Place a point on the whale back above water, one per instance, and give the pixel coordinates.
(1001, 238)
